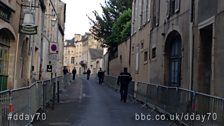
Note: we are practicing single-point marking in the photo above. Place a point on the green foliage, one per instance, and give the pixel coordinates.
(112, 26)
(122, 27)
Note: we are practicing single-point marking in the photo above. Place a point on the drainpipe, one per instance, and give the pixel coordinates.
(191, 86)
(42, 46)
(16, 53)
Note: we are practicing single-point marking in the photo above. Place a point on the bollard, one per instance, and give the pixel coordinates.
(58, 97)
(44, 95)
(53, 102)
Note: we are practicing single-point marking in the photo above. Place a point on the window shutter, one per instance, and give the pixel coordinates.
(157, 12)
(148, 9)
(168, 9)
(144, 11)
(177, 6)
(133, 18)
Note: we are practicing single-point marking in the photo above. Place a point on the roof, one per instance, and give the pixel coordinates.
(70, 42)
(95, 53)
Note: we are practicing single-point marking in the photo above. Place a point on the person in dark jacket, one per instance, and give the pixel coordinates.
(100, 76)
(123, 80)
(73, 73)
(88, 73)
(65, 70)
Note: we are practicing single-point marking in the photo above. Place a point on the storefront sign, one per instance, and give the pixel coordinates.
(28, 30)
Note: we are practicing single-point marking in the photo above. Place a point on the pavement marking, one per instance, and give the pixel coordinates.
(60, 124)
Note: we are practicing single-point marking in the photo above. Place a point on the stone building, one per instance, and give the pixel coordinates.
(25, 53)
(160, 42)
(83, 52)
(9, 27)
(73, 53)
(208, 46)
(176, 43)
(92, 53)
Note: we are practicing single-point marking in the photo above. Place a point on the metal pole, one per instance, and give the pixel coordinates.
(58, 92)
(53, 102)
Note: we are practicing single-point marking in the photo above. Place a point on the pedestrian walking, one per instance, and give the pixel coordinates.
(88, 73)
(123, 80)
(101, 76)
(73, 73)
(65, 70)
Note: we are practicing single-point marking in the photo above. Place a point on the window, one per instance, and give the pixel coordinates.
(136, 16)
(148, 7)
(144, 10)
(154, 52)
(173, 6)
(4, 60)
(177, 5)
(137, 59)
(142, 44)
(133, 48)
(121, 58)
(157, 11)
(72, 60)
(139, 14)
(145, 56)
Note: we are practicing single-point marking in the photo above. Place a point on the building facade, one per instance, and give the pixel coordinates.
(176, 43)
(208, 47)
(9, 27)
(73, 53)
(25, 53)
(83, 52)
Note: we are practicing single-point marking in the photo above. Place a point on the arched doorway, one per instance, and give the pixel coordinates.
(5, 37)
(173, 59)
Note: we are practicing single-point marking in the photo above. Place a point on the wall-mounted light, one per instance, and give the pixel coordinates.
(53, 21)
(28, 19)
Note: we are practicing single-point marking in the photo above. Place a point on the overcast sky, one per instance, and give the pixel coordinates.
(76, 19)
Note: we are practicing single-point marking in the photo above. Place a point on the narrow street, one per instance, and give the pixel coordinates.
(86, 103)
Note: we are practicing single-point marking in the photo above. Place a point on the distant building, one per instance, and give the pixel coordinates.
(95, 60)
(82, 52)
(73, 53)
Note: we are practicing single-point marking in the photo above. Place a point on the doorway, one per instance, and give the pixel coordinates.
(205, 59)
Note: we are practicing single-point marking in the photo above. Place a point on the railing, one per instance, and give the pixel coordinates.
(112, 83)
(180, 105)
(29, 100)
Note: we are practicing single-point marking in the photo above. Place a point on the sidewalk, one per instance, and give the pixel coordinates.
(69, 98)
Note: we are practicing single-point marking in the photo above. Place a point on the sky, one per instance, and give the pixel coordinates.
(76, 20)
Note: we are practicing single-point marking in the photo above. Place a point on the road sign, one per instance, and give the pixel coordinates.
(53, 48)
(53, 57)
(49, 68)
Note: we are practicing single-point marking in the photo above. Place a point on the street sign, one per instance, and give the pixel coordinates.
(53, 48)
(53, 57)
(49, 68)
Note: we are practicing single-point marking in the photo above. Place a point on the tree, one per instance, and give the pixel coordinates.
(104, 25)
(121, 29)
